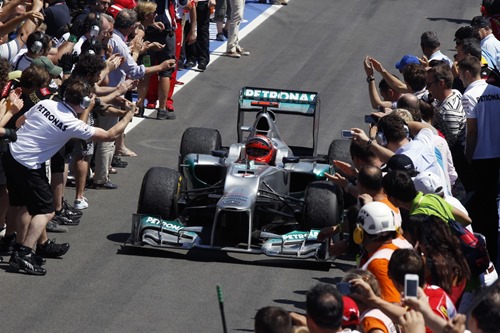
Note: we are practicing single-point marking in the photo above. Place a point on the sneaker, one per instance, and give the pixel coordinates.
(242, 52)
(151, 105)
(170, 115)
(53, 226)
(64, 220)
(165, 115)
(220, 37)
(107, 186)
(189, 64)
(74, 216)
(117, 162)
(26, 263)
(71, 211)
(202, 65)
(51, 249)
(81, 204)
(7, 242)
(232, 54)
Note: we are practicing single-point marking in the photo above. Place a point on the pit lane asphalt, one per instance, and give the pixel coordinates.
(315, 45)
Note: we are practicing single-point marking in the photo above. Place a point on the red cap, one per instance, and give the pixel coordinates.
(350, 317)
(114, 9)
(129, 4)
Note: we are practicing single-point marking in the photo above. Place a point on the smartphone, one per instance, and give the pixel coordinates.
(369, 119)
(346, 134)
(411, 285)
(344, 288)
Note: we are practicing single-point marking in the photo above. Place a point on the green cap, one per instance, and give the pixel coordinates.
(48, 65)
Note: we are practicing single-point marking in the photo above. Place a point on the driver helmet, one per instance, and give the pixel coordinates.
(259, 148)
(376, 217)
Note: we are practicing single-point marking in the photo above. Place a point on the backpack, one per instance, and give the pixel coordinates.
(473, 245)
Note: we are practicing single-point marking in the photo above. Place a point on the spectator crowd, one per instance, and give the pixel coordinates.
(421, 197)
(421, 194)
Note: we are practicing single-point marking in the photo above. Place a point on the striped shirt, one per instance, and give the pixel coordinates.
(452, 111)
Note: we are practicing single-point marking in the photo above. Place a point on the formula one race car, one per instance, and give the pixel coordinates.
(258, 195)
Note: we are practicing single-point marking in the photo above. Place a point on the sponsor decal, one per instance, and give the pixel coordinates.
(52, 118)
(301, 235)
(487, 98)
(283, 96)
(234, 200)
(170, 225)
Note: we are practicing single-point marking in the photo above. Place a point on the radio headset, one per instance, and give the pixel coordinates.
(382, 140)
(37, 46)
(94, 28)
(85, 102)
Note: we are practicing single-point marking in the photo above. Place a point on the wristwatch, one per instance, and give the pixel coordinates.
(370, 79)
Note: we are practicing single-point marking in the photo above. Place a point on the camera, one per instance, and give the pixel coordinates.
(369, 119)
(345, 288)
(346, 134)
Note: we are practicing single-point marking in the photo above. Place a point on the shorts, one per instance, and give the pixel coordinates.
(28, 187)
(168, 52)
(83, 148)
(222, 10)
(59, 159)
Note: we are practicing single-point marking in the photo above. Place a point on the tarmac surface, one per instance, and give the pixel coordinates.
(314, 45)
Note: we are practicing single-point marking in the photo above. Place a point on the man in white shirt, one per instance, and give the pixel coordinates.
(429, 42)
(45, 129)
(490, 45)
(481, 102)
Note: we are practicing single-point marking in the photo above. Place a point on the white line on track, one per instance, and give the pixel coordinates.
(216, 54)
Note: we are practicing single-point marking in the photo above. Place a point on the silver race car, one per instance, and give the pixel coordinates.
(258, 195)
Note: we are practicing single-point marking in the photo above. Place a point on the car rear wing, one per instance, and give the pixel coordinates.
(279, 101)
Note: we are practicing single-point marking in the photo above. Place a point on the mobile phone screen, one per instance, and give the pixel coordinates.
(411, 288)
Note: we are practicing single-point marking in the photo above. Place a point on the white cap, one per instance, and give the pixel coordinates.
(429, 183)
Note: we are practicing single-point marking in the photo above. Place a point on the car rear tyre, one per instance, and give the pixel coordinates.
(339, 150)
(199, 140)
(160, 190)
(323, 205)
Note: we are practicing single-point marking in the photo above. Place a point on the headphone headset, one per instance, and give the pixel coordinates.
(37, 45)
(85, 103)
(358, 235)
(94, 26)
(382, 140)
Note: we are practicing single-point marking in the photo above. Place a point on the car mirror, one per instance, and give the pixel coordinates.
(291, 159)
